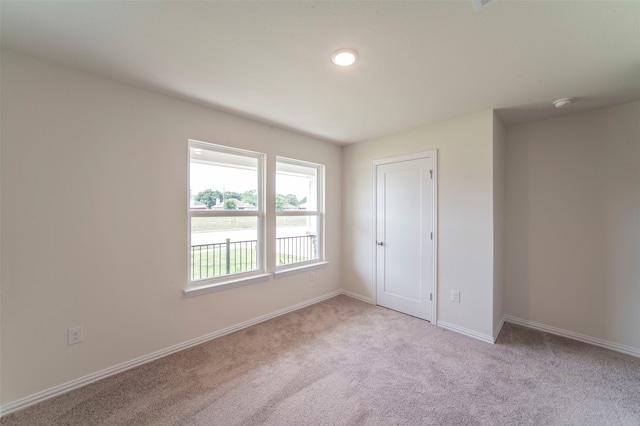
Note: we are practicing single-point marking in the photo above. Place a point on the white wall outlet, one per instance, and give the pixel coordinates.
(455, 296)
(76, 335)
(312, 276)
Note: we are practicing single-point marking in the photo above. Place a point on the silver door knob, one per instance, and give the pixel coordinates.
(380, 243)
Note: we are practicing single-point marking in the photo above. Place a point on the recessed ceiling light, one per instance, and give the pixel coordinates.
(344, 57)
(562, 103)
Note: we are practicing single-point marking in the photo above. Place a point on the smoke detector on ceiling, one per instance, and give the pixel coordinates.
(562, 103)
(481, 4)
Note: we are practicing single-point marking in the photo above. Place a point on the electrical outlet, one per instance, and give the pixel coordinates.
(455, 296)
(76, 335)
(312, 276)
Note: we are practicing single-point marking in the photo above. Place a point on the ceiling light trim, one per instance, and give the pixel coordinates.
(344, 57)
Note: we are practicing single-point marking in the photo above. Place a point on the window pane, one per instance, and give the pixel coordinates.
(296, 187)
(222, 181)
(225, 180)
(223, 246)
(296, 239)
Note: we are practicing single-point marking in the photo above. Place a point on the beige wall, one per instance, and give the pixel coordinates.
(499, 206)
(92, 171)
(573, 223)
(465, 214)
(94, 223)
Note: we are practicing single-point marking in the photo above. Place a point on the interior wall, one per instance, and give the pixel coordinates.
(465, 215)
(499, 207)
(94, 223)
(573, 223)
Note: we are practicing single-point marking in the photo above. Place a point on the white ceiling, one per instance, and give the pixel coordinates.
(419, 61)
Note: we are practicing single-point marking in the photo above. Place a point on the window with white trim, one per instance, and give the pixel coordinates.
(226, 214)
(299, 213)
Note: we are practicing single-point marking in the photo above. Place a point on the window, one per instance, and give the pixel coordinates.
(226, 216)
(299, 213)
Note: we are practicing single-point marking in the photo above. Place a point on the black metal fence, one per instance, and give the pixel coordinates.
(295, 249)
(218, 259)
(214, 260)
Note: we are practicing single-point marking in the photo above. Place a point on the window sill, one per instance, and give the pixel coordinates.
(212, 288)
(298, 269)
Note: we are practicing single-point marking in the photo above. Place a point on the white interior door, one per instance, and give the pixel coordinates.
(405, 259)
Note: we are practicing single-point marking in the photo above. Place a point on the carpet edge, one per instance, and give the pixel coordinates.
(467, 332)
(358, 297)
(617, 347)
(57, 390)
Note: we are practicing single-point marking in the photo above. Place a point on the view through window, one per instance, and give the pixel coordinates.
(298, 212)
(225, 211)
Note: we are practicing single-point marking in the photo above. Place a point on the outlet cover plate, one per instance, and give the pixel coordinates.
(76, 335)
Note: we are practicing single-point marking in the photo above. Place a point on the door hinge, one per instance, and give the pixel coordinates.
(432, 235)
(431, 297)
(431, 173)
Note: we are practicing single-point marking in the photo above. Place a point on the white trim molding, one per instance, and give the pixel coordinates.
(83, 381)
(212, 288)
(467, 332)
(298, 269)
(358, 297)
(575, 336)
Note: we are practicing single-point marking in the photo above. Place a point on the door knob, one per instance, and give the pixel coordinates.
(380, 243)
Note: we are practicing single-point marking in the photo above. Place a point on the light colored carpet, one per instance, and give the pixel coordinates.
(343, 362)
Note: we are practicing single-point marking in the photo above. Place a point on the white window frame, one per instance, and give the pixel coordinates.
(281, 270)
(243, 278)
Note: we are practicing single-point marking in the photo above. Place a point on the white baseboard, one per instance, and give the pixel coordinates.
(358, 297)
(466, 332)
(575, 336)
(83, 381)
(443, 324)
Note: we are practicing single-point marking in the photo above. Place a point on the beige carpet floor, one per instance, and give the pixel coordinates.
(343, 362)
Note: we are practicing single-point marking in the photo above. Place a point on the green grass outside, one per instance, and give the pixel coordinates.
(210, 262)
(285, 259)
(211, 224)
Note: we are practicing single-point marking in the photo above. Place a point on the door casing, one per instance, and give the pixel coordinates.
(434, 225)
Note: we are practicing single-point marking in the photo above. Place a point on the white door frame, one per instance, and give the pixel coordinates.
(434, 225)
